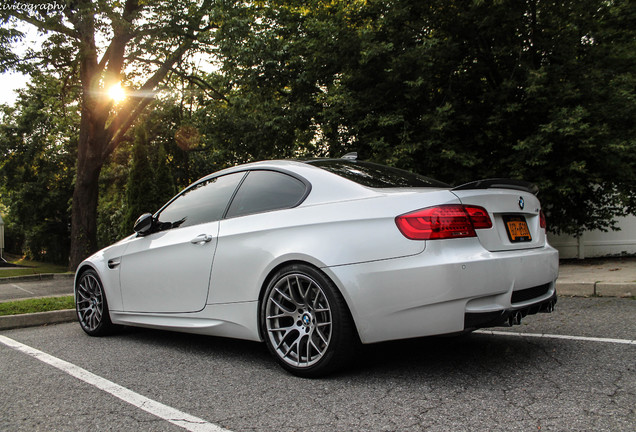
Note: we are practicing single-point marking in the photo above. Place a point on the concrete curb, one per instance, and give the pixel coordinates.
(37, 319)
(575, 288)
(601, 289)
(606, 289)
(36, 277)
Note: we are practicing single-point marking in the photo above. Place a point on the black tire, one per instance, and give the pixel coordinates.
(91, 305)
(306, 323)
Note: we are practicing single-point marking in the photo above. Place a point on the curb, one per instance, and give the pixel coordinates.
(36, 277)
(601, 289)
(37, 319)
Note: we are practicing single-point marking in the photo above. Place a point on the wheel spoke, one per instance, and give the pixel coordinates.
(321, 336)
(283, 295)
(281, 307)
(315, 347)
(281, 315)
(81, 291)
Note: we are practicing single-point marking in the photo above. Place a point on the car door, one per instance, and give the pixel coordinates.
(251, 227)
(169, 270)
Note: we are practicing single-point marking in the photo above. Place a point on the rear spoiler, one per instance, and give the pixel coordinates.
(500, 183)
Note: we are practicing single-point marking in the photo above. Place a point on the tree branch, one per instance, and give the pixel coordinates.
(43, 25)
(198, 81)
(125, 118)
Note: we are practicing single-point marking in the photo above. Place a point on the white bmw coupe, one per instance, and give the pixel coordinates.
(316, 256)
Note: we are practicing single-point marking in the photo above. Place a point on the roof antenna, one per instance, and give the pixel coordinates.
(351, 156)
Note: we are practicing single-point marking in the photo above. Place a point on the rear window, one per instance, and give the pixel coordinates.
(375, 175)
(266, 190)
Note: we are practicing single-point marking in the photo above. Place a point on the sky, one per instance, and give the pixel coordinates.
(15, 81)
(10, 83)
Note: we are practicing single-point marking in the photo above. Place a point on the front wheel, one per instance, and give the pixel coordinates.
(91, 305)
(306, 323)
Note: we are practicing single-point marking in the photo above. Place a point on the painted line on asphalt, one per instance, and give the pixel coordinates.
(169, 414)
(23, 289)
(557, 336)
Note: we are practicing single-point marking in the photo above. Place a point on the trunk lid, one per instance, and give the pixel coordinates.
(512, 206)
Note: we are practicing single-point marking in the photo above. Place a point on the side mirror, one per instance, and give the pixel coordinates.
(144, 224)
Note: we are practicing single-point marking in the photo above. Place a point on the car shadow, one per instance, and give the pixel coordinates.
(471, 355)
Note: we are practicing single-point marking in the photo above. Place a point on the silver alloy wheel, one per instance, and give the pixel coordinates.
(298, 320)
(90, 302)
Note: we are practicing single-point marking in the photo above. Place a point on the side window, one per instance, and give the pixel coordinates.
(266, 190)
(205, 202)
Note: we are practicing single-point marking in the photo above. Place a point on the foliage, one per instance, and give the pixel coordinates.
(150, 184)
(45, 304)
(36, 172)
(145, 41)
(452, 89)
(140, 190)
(456, 90)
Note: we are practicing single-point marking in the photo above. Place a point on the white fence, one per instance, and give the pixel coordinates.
(597, 243)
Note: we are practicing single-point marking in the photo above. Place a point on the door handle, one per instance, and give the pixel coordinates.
(201, 238)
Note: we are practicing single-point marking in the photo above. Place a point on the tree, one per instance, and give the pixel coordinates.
(452, 89)
(36, 171)
(145, 40)
(140, 189)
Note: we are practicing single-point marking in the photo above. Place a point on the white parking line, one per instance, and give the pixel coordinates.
(556, 336)
(172, 415)
(23, 289)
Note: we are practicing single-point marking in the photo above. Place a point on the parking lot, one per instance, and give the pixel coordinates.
(475, 382)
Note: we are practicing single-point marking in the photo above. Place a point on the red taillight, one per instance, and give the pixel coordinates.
(542, 223)
(479, 217)
(443, 222)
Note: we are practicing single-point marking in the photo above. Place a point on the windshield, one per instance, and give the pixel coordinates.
(375, 175)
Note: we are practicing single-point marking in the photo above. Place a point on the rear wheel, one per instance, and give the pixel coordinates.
(306, 323)
(91, 305)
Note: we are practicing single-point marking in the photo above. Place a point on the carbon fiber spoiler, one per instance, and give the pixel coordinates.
(500, 183)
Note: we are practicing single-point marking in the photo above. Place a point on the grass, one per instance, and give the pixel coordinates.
(36, 305)
(30, 267)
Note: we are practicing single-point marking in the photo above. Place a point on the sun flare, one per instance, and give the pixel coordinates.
(117, 93)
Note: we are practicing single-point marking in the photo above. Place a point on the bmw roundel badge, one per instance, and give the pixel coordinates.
(521, 203)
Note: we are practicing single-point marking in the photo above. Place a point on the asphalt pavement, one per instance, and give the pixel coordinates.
(602, 277)
(572, 370)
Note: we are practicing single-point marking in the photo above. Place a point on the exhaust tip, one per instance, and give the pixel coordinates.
(548, 307)
(514, 318)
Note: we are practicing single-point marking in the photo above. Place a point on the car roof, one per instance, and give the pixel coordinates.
(325, 186)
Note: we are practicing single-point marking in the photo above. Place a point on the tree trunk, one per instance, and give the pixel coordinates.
(84, 212)
(90, 159)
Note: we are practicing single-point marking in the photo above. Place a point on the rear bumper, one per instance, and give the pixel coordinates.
(507, 317)
(452, 286)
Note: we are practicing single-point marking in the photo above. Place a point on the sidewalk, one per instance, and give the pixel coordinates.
(606, 277)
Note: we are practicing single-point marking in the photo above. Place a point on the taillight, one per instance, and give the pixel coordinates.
(542, 223)
(479, 217)
(443, 222)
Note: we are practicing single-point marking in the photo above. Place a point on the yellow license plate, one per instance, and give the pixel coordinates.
(517, 229)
